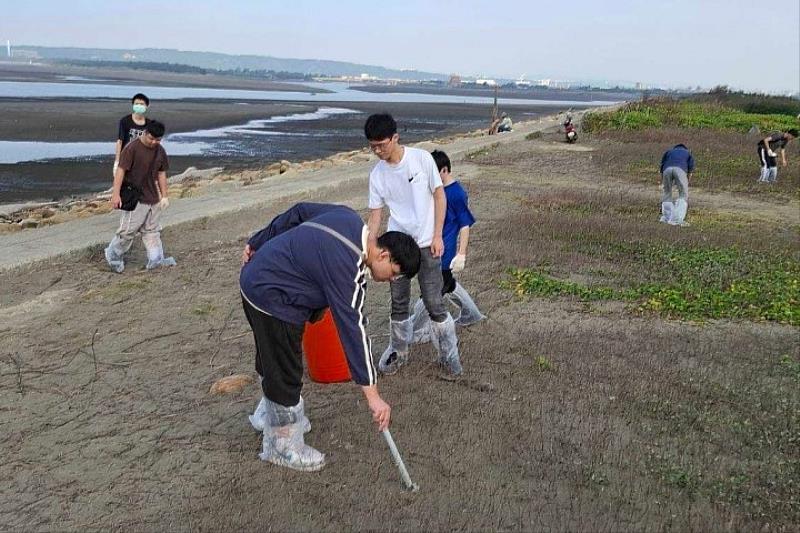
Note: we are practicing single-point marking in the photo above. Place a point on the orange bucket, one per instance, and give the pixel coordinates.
(324, 353)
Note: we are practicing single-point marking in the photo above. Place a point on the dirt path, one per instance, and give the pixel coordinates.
(106, 420)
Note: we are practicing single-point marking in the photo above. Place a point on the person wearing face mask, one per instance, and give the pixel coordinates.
(132, 126)
(312, 257)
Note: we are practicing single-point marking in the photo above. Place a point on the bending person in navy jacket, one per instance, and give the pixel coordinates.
(311, 257)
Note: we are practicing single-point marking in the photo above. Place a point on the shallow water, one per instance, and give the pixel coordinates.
(340, 92)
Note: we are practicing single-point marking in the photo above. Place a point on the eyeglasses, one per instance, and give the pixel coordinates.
(380, 146)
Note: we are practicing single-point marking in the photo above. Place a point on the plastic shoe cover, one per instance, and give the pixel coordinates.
(422, 323)
(666, 211)
(772, 175)
(283, 444)
(391, 361)
(165, 262)
(396, 354)
(679, 214)
(155, 251)
(470, 314)
(114, 261)
(259, 417)
(446, 344)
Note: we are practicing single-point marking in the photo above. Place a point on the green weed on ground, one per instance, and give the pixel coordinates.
(683, 114)
(693, 284)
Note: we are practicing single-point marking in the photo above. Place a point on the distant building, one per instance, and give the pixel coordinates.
(455, 80)
(487, 82)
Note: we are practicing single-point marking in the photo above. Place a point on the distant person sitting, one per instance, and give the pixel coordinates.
(140, 190)
(677, 166)
(505, 124)
(768, 157)
(132, 126)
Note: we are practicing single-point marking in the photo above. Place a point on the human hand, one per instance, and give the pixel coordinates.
(247, 254)
(381, 412)
(457, 264)
(437, 247)
(116, 201)
(164, 203)
(771, 153)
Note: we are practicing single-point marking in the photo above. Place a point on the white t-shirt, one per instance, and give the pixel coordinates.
(407, 189)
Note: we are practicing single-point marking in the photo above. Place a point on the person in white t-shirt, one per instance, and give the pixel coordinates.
(407, 181)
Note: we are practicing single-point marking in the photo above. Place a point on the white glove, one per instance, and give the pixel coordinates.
(164, 203)
(457, 264)
(116, 166)
(771, 153)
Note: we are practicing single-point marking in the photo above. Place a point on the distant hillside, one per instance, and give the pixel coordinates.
(212, 60)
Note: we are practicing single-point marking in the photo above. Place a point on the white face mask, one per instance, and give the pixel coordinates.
(139, 109)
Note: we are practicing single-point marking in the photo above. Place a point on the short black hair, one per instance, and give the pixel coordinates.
(140, 96)
(155, 128)
(380, 126)
(404, 251)
(441, 159)
(793, 132)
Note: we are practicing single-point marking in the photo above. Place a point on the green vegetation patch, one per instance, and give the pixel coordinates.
(693, 283)
(684, 114)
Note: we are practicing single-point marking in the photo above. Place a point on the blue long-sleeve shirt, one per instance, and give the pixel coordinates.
(312, 257)
(678, 156)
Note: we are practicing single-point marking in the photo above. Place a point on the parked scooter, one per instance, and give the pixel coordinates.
(570, 130)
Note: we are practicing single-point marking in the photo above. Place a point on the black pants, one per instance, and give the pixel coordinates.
(279, 356)
(449, 284)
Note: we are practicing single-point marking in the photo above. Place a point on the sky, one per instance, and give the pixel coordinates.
(746, 45)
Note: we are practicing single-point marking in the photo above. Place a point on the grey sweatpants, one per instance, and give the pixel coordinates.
(146, 218)
(674, 176)
(430, 286)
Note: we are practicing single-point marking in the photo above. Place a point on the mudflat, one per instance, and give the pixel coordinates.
(79, 120)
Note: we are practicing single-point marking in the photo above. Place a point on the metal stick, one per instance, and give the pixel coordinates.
(413, 487)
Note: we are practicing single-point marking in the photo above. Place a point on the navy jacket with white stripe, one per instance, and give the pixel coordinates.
(298, 269)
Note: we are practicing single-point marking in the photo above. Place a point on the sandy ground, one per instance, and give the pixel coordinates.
(107, 421)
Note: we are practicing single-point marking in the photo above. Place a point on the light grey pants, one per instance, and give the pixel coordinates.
(430, 285)
(674, 176)
(146, 218)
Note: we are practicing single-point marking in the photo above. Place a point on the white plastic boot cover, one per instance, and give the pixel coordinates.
(422, 323)
(114, 258)
(155, 252)
(259, 417)
(772, 175)
(666, 212)
(446, 344)
(679, 215)
(396, 354)
(283, 443)
(470, 313)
